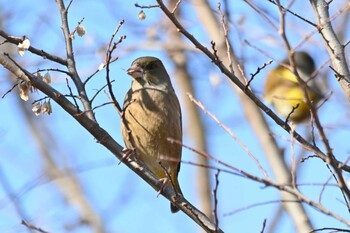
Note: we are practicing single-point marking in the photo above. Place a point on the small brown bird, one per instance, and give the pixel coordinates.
(284, 92)
(151, 115)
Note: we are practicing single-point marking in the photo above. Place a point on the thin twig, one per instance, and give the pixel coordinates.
(175, 7)
(144, 6)
(267, 19)
(71, 95)
(330, 229)
(41, 99)
(170, 179)
(10, 90)
(263, 226)
(325, 184)
(212, 168)
(32, 227)
(293, 163)
(39, 52)
(102, 66)
(69, 4)
(52, 69)
(229, 131)
(260, 68)
(109, 84)
(109, 53)
(228, 44)
(215, 193)
(75, 29)
(101, 105)
(257, 205)
(98, 91)
(293, 13)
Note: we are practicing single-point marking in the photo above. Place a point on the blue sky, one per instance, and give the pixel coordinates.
(124, 201)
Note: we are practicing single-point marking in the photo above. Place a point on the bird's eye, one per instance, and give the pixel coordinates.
(150, 66)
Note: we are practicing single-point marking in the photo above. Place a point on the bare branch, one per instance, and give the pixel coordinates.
(200, 105)
(9, 91)
(215, 191)
(39, 52)
(293, 13)
(71, 61)
(144, 6)
(32, 227)
(108, 58)
(332, 43)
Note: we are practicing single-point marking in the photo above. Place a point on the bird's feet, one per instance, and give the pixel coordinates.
(126, 154)
(163, 182)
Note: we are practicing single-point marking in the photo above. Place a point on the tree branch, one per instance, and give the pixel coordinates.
(71, 61)
(336, 50)
(39, 52)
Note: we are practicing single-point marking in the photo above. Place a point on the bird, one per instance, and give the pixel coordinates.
(284, 92)
(151, 115)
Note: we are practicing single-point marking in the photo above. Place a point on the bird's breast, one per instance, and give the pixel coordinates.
(152, 116)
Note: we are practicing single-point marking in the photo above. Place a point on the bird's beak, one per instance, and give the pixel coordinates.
(135, 71)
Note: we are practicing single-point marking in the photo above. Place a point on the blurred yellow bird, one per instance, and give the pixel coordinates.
(284, 92)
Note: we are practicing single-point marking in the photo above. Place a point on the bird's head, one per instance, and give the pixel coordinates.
(304, 62)
(149, 71)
